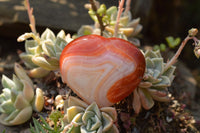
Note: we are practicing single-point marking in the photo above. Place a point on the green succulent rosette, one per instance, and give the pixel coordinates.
(42, 53)
(155, 82)
(17, 99)
(128, 27)
(83, 118)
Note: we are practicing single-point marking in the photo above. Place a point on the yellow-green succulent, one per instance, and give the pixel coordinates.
(42, 53)
(83, 118)
(128, 27)
(155, 82)
(17, 99)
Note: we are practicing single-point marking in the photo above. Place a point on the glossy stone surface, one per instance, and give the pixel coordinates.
(104, 70)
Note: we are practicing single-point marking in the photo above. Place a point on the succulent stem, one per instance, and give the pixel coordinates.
(102, 27)
(31, 17)
(128, 6)
(184, 42)
(120, 10)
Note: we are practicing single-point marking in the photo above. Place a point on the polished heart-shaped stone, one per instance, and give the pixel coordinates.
(104, 70)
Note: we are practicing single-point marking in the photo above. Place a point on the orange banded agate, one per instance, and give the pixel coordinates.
(104, 70)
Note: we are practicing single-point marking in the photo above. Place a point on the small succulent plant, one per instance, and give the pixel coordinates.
(42, 53)
(127, 26)
(83, 118)
(18, 99)
(155, 82)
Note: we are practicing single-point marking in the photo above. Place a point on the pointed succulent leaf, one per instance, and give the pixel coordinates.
(134, 23)
(136, 101)
(46, 62)
(30, 46)
(72, 101)
(21, 102)
(149, 63)
(12, 115)
(21, 74)
(150, 54)
(158, 64)
(170, 71)
(28, 92)
(38, 72)
(94, 108)
(23, 116)
(159, 95)
(91, 120)
(38, 101)
(48, 48)
(146, 99)
(165, 82)
(107, 122)
(110, 111)
(61, 34)
(7, 107)
(72, 111)
(48, 34)
(18, 84)
(5, 95)
(6, 82)
(85, 30)
(27, 58)
(78, 119)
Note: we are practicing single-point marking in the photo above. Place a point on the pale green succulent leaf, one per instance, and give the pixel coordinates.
(94, 108)
(85, 30)
(18, 83)
(28, 92)
(72, 112)
(150, 54)
(158, 64)
(48, 34)
(5, 95)
(107, 122)
(21, 74)
(21, 102)
(134, 23)
(149, 63)
(111, 10)
(23, 116)
(77, 120)
(38, 72)
(146, 99)
(124, 20)
(6, 82)
(156, 74)
(110, 111)
(73, 101)
(61, 34)
(30, 46)
(91, 120)
(38, 101)
(48, 48)
(14, 94)
(84, 130)
(159, 95)
(170, 71)
(27, 58)
(7, 107)
(12, 115)
(48, 63)
(165, 82)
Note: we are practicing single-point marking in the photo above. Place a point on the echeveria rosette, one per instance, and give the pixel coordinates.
(83, 118)
(155, 82)
(17, 98)
(42, 53)
(128, 27)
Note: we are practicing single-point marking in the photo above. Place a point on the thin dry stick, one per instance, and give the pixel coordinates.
(128, 7)
(120, 10)
(31, 17)
(102, 27)
(178, 52)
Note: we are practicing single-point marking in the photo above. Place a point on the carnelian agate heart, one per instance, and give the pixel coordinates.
(104, 70)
